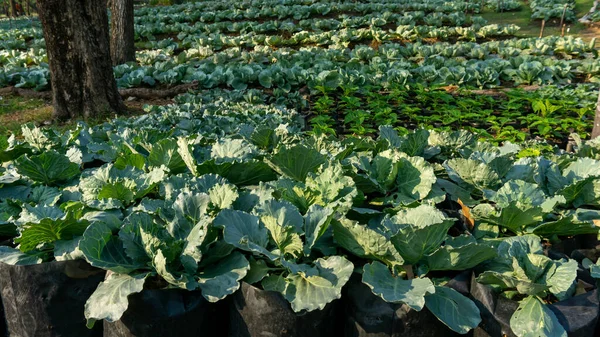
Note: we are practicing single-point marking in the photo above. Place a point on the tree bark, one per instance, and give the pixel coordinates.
(13, 8)
(596, 129)
(77, 43)
(122, 44)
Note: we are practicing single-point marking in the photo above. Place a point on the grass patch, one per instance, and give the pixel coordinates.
(16, 111)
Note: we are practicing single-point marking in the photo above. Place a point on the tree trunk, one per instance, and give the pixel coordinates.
(122, 45)
(13, 8)
(596, 130)
(77, 43)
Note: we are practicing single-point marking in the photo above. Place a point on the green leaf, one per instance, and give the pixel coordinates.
(16, 257)
(296, 161)
(457, 192)
(510, 282)
(365, 242)
(33, 215)
(517, 246)
(244, 231)
(285, 224)
(223, 196)
(264, 137)
(45, 195)
(185, 150)
(229, 150)
(296, 193)
(395, 289)
(109, 301)
(532, 266)
(562, 281)
(458, 312)
(590, 194)
(108, 184)
(460, 258)
(248, 172)
(420, 232)
(312, 288)
(595, 269)
(274, 283)
(190, 208)
(514, 217)
(130, 159)
(380, 173)
(38, 138)
(103, 250)
(192, 251)
(565, 226)
(520, 193)
(472, 173)
(331, 187)
(316, 222)
(415, 143)
(165, 152)
(582, 168)
(48, 231)
(68, 250)
(130, 235)
(161, 264)
(258, 271)
(223, 278)
(421, 217)
(414, 181)
(532, 319)
(264, 78)
(49, 168)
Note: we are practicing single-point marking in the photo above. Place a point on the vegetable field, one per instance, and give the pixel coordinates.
(351, 168)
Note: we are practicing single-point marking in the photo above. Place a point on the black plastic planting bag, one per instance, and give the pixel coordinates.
(367, 315)
(578, 315)
(258, 313)
(3, 331)
(169, 312)
(48, 299)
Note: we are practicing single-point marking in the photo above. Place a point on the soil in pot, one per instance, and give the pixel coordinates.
(48, 299)
(169, 312)
(257, 313)
(578, 315)
(367, 315)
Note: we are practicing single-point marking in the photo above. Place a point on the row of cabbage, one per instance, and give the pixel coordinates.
(225, 11)
(471, 65)
(251, 32)
(204, 196)
(553, 9)
(159, 19)
(504, 5)
(558, 47)
(148, 30)
(24, 38)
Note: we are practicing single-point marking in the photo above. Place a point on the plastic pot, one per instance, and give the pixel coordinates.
(577, 243)
(578, 315)
(47, 300)
(169, 312)
(367, 315)
(3, 331)
(257, 313)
